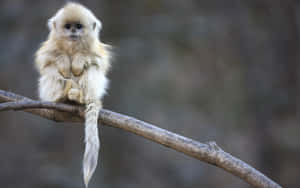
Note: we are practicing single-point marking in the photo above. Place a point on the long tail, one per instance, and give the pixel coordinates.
(92, 143)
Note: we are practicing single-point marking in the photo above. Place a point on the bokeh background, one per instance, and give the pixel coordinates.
(207, 69)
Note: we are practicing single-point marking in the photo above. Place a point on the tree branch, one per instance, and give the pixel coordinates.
(207, 152)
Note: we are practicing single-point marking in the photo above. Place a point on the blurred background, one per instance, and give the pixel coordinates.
(210, 70)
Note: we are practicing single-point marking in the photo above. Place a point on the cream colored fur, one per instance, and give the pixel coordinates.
(75, 70)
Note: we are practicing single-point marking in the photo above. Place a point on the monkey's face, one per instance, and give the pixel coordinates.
(74, 23)
(73, 30)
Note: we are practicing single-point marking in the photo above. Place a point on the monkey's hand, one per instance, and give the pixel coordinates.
(73, 92)
(76, 95)
(78, 64)
(63, 64)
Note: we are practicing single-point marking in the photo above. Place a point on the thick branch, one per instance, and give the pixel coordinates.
(210, 152)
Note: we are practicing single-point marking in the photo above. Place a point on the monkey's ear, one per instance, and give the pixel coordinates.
(51, 24)
(97, 26)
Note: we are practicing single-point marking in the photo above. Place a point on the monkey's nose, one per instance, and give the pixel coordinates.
(73, 30)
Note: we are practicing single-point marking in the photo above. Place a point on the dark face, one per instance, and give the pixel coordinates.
(73, 30)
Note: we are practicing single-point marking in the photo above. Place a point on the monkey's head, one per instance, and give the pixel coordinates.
(74, 22)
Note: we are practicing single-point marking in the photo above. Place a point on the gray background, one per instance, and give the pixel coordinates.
(210, 70)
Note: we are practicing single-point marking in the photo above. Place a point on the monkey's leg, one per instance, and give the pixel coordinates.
(52, 86)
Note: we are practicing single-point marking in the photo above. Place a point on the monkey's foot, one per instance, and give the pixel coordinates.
(75, 95)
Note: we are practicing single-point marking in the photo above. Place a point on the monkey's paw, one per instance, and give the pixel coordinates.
(78, 65)
(75, 95)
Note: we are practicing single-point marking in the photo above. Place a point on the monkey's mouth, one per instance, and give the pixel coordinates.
(74, 37)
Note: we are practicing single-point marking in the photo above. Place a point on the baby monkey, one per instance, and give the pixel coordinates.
(73, 64)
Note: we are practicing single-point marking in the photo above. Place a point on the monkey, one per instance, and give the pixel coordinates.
(73, 65)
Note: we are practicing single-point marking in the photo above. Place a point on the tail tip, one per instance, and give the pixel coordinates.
(86, 181)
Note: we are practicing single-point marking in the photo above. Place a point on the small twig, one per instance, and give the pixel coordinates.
(210, 152)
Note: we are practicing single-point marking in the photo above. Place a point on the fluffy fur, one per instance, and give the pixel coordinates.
(73, 64)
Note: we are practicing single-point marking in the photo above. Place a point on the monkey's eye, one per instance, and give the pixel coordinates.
(68, 26)
(79, 26)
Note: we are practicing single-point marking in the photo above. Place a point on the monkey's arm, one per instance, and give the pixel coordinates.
(99, 56)
(79, 63)
(102, 57)
(64, 65)
(82, 62)
(101, 62)
(46, 56)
